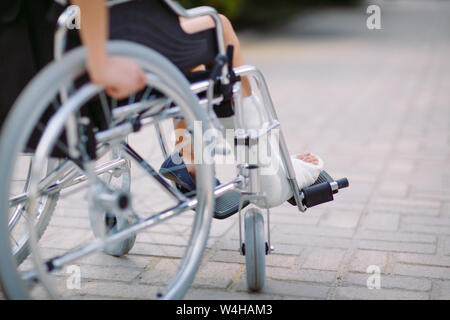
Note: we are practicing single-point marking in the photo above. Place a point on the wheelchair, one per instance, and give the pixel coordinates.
(97, 175)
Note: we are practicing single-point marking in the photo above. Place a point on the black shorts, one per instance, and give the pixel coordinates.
(153, 24)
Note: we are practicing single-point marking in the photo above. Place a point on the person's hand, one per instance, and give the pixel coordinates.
(120, 76)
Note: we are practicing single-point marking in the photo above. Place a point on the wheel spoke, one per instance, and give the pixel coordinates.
(13, 239)
(98, 244)
(153, 173)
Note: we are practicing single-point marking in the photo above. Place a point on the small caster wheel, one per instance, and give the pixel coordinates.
(255, 249)
(113, 225)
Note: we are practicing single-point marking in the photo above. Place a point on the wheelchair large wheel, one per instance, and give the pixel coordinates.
(17, 226)
(117, 211)
(255, 249)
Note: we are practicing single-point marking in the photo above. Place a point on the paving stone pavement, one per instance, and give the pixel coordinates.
(375, 105)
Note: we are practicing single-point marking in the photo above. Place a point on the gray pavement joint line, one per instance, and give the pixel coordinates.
(341, 272)
(235, 278)
(390, 262)
(153, 262)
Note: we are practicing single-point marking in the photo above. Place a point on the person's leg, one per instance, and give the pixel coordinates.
(194, 25)
(305, 165)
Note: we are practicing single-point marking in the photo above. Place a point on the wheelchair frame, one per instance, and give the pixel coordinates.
(204, 86)
(246, 181)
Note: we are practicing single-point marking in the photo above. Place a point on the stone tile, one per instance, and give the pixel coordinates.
(422, 259)
(108, 273)
(160, 273)
(278, 260)
(288, 289)
(220, 227)
(426, 221)
(422, 271)
(167, 239)
(159, 250)
(311, 241)
(120, 291)
(314, 231)
(216, 275)
(418, 228)
(70, 222)
(300, 275)
(341, 219)
(65, 238)
(205, 294)
(407, 206)
(129, 261)
(389, 282)
(444, 290)
(324, 259)
(394, 190)
(396, 246)
(446, 245)
(363, 259)
(227, 256)
(396, 236)
(380, 221)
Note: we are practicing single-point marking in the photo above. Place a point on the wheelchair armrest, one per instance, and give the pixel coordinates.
(198, 12)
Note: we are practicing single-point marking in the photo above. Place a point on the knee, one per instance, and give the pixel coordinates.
(230, 35)
(225, 22)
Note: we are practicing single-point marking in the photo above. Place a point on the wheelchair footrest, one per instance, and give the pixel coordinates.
(321, 191)
(228, 204)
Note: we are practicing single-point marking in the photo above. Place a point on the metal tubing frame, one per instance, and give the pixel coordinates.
(250, 192)
(98, 244)
(59, 46)
(273, 117)
(172, 190)
(198, 12)
(248, 70)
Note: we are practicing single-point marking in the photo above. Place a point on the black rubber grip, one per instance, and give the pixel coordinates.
(320, 191)
(342, 183)
(317, 194)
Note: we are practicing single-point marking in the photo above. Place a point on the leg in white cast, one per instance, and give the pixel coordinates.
(273, 177)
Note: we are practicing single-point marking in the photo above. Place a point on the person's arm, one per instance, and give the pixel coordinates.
(120, 76)
(94, 32)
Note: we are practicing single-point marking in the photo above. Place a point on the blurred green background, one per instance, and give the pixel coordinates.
(245, 13)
